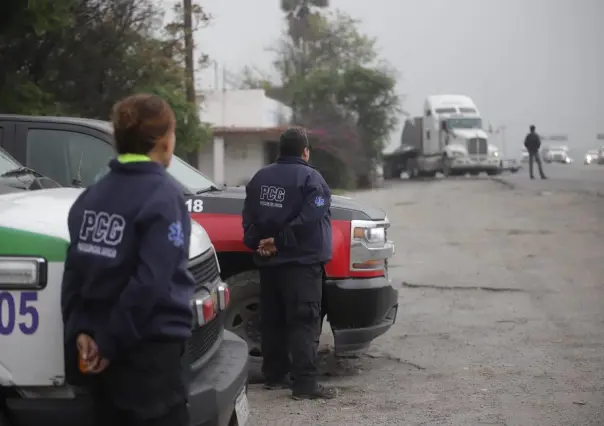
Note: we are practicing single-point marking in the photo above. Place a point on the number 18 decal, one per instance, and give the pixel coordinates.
(18, 313)
(194, 205)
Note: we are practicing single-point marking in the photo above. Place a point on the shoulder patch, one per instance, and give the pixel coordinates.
(319, 201)
(175, 234)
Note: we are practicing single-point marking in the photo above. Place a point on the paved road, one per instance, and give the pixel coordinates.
(501, 319)
(574, 177)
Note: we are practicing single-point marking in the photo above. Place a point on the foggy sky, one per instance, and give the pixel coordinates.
(522, 61)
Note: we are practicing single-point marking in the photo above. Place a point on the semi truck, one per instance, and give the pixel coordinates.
(448, 138)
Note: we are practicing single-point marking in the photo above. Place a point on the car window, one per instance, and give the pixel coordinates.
(67, 156)
(7, 162)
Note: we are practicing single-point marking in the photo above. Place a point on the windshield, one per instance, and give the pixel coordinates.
(189, 178)
(464, 123)
(7, 162)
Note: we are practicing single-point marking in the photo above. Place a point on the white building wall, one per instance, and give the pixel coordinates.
(243, 156)
(242, 108)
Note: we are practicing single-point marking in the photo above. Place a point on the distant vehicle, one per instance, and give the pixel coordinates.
(556, 154)
(524, 157)
(601, 155)
(510, 165)
(591, 157)
(448, 138)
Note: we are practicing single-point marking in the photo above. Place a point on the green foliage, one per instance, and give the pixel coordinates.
(79, 57)
(330, 75)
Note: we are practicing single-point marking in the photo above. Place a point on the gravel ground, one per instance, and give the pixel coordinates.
(501, 319)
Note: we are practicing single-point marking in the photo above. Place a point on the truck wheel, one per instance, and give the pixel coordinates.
(243, 317)
(412, 168)
(446, 166)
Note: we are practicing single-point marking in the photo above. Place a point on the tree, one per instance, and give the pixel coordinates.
(330, 75)
(78, 57)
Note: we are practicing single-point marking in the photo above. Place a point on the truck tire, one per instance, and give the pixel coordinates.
(412, 168)
(446, 166)
(243, 317)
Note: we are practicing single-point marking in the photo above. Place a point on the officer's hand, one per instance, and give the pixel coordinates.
(267, 242)
(267, 247)
(100, 365)
(87, 348)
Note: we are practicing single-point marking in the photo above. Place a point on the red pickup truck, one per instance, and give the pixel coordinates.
(359, 300)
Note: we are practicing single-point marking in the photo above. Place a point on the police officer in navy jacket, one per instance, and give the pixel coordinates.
(126, 288)
(287, 221)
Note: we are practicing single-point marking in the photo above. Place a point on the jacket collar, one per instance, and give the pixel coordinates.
(292, 160)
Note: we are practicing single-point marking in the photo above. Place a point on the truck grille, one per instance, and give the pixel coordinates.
(204, 270)
(203, 338)
(478, 146)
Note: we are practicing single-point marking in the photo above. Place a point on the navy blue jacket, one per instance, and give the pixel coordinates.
(532, 142)
(126, 278)
(289, 201)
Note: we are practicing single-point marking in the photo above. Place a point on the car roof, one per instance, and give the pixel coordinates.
(101, 125)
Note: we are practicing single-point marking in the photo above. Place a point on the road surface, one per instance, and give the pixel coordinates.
(501, 317)
(572, 177)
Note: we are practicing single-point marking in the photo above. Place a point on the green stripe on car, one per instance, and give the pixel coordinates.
(15, 242)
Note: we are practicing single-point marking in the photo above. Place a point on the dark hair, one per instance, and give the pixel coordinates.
(292, 142)
(138, 121)
(532, 127)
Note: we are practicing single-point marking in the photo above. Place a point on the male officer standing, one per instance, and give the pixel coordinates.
(287, 221)
(532, 143)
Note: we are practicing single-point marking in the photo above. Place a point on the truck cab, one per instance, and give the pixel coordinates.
(448, 137)
(453, 128)
(359, 299)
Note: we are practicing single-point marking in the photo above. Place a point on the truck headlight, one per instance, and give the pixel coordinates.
(370, 235)
(22, 273)
(495, 154)
(369, 245)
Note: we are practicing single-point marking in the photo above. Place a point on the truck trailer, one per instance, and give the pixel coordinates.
(448, 138)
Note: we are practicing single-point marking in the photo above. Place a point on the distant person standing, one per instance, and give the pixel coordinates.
(532, 143)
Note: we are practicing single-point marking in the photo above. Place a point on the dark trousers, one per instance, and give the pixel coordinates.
(290, 297)
(535, 157)
(146, 387)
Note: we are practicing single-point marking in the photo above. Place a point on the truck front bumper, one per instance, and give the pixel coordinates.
(213, 392)
(474, 164)
(359, 310)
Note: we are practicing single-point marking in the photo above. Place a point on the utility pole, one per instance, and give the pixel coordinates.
(190, 68)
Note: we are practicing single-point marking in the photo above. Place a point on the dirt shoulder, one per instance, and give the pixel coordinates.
(501, 318)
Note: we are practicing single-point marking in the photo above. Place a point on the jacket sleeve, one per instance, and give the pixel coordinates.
(251, 236)
(526, 141)
(75, 319)
(315, 205)
(162, 247)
